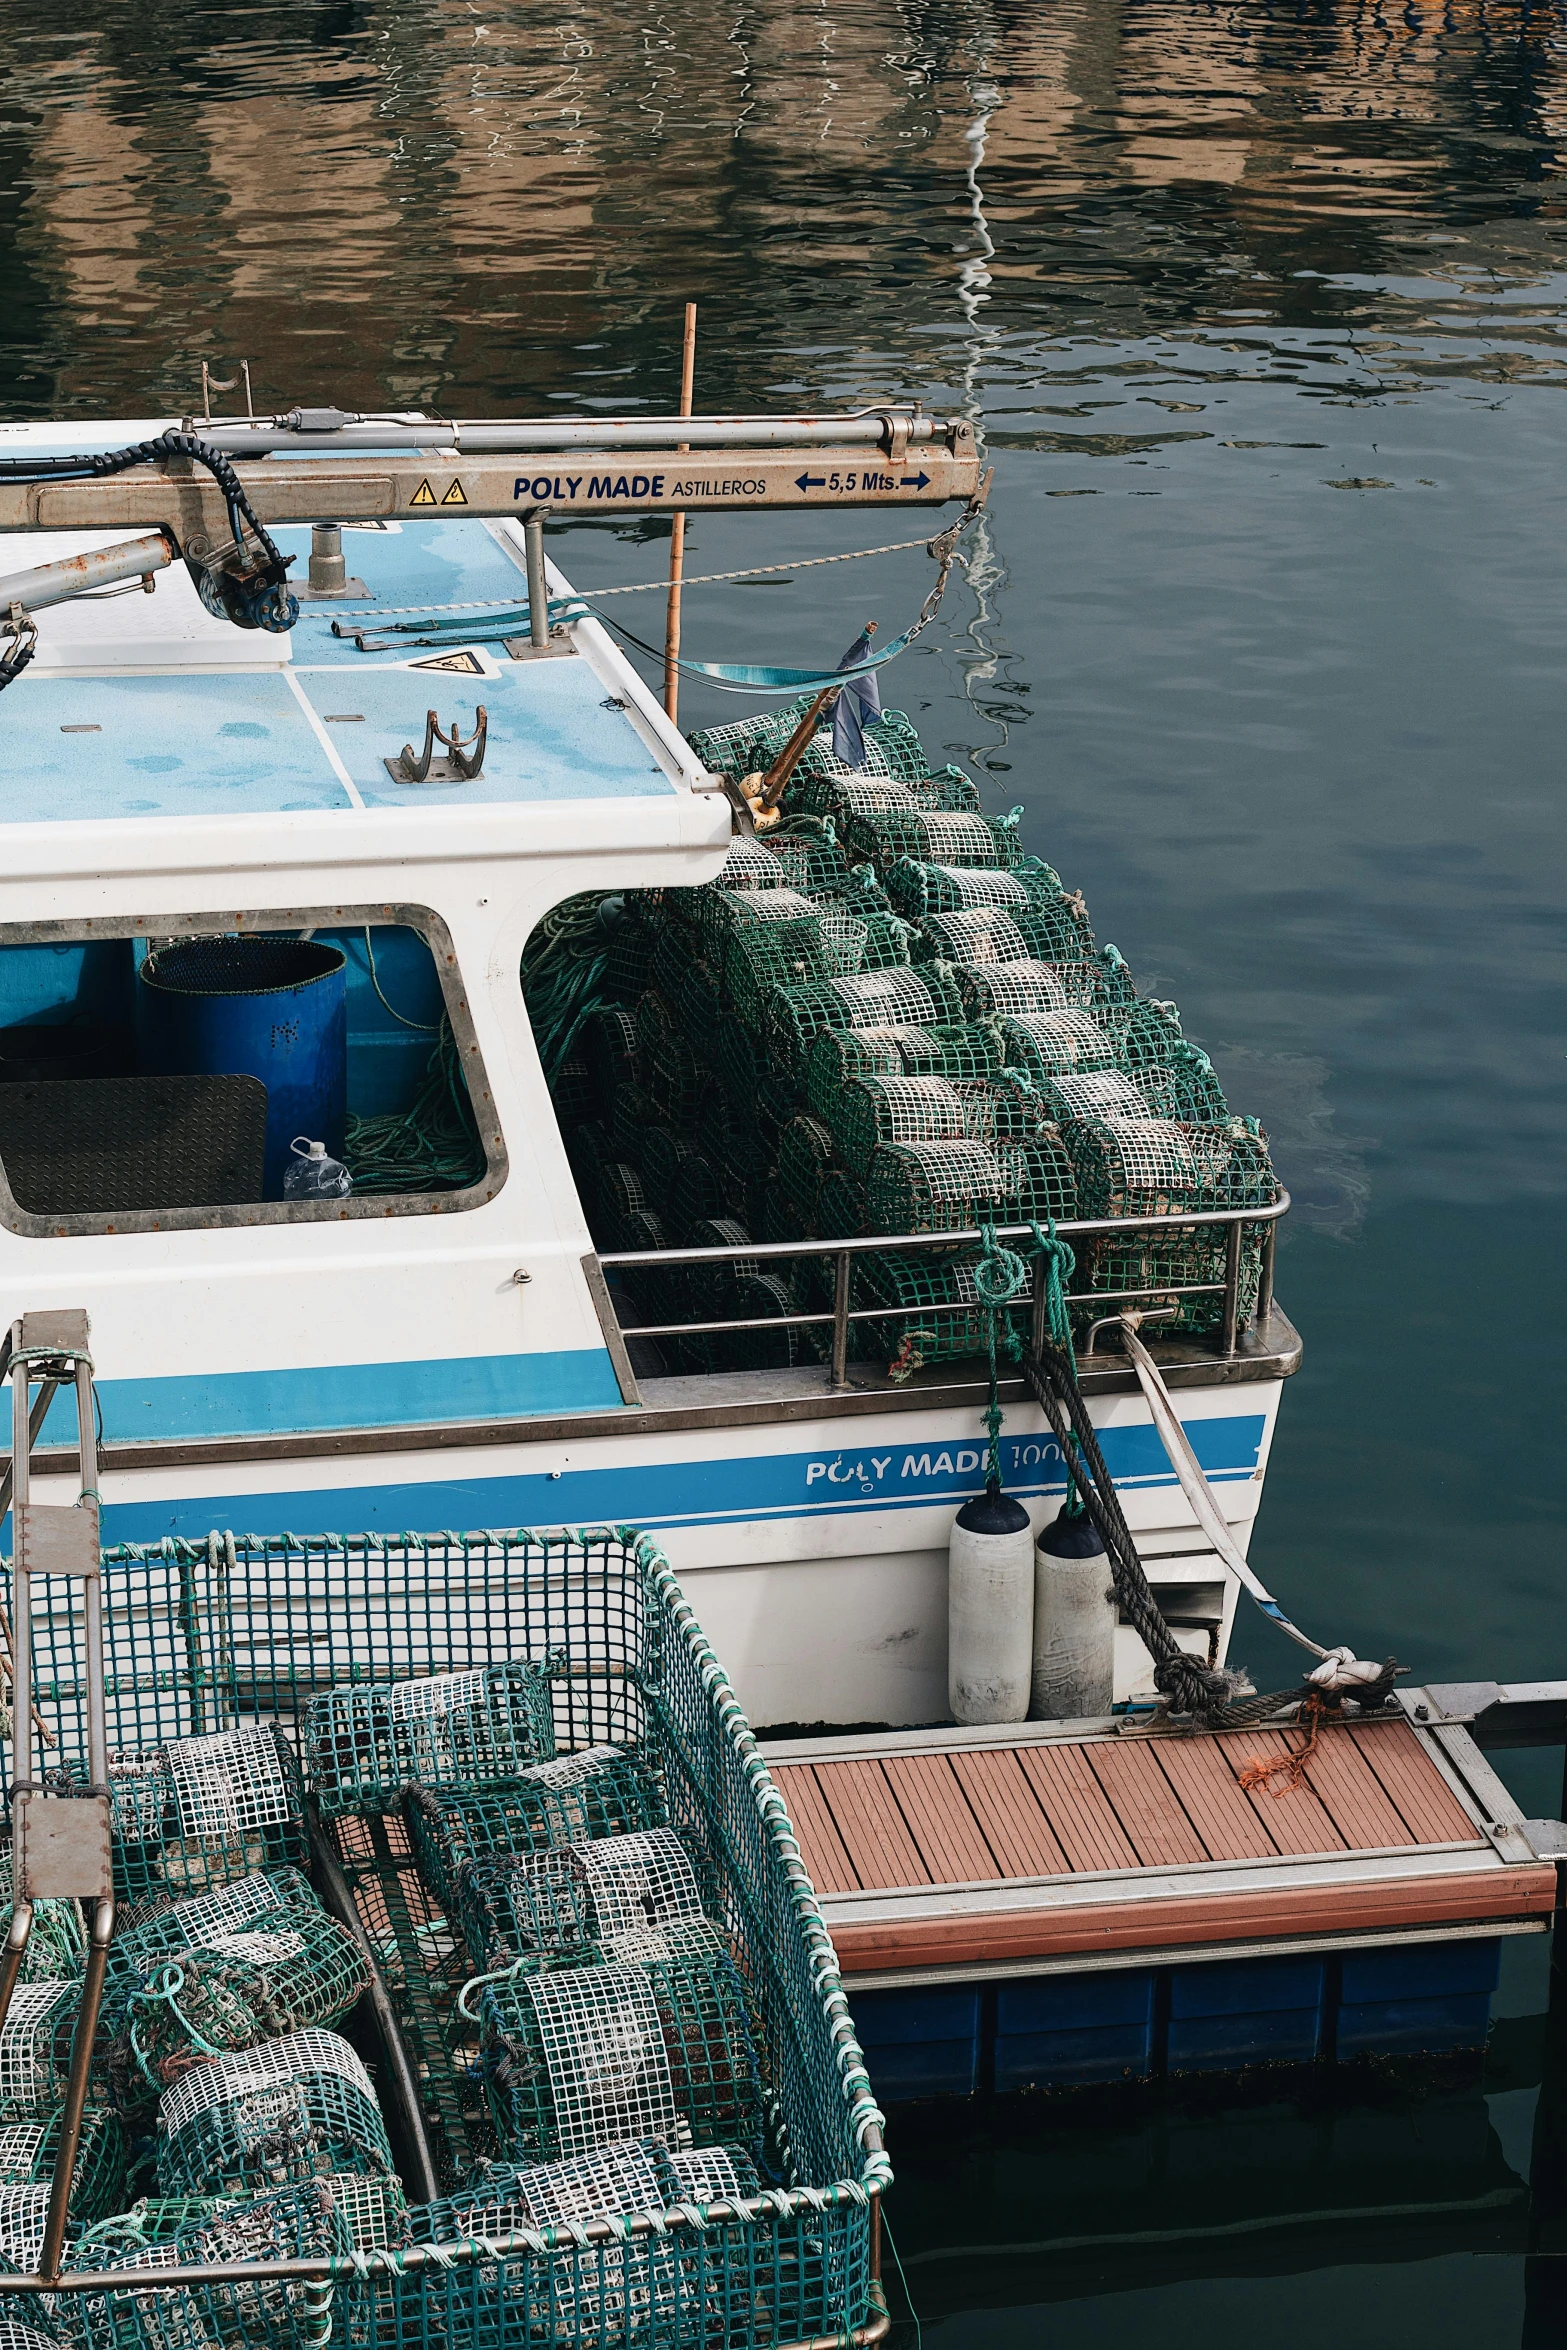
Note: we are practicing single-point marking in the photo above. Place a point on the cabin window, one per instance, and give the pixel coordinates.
(254, 1067)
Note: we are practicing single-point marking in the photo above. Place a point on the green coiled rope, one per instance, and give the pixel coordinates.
(433, 1145)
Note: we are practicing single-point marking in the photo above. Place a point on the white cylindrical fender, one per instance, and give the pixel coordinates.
(990, 1611)
(1074, 1624)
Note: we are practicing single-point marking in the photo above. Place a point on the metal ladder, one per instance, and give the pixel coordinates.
(59, 1842)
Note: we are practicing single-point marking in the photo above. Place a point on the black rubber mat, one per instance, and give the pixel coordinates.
(113, 1145)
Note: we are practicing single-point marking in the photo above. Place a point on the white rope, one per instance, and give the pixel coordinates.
(641, 587)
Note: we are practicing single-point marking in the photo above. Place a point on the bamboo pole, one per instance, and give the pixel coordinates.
(677, 534)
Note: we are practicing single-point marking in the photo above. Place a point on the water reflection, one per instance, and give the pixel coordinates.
(1263, 312)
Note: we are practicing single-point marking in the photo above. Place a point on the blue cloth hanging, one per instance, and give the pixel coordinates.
(859, 700)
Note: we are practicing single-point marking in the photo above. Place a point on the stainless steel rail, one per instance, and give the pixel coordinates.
(844, 1253)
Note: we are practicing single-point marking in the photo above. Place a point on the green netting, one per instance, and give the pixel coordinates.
(946, 1322)
(1055, 1044)
(797, 1016)
(807, 856)
(590, 2056)
(203, 1811)
(1158, 1269)
(270, 2116)
(602, 1790)
(671, 1074)
(1174, 1076)
(29, 2151)
(57, 1939)
(363, 1746)
(630, 955)
(840, 1214)
(788, 949)
(630, 2291)
(749, 745)
(631, 1114)
(224, 1969)
(677, 954)
(580, 1894)
(619, 1198)
(918, 889)
(932, 836)
(803, 1161)
(608, 1043)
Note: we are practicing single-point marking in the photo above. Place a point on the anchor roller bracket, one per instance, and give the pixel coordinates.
(464, 762)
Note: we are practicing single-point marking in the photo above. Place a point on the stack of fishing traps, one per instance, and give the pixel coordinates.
(584, 2023)
(884, 1018)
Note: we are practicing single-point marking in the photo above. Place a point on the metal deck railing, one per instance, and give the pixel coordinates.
(845, 1254)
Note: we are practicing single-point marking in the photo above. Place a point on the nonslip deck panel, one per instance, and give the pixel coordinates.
(1010, 1817)
(1064, 1807)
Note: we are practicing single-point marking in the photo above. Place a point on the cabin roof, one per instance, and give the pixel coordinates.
(145, 707)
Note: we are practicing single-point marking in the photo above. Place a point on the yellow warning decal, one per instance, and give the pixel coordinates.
(423, 495)
(465, 664)
(454, 496)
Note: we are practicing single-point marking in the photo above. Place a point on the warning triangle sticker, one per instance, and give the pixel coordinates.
(423, 495)
(455, 496)
(465, 664)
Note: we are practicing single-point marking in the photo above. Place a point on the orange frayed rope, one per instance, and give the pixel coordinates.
(1289, 1769)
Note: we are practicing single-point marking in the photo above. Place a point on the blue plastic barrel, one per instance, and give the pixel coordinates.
(273, 1008)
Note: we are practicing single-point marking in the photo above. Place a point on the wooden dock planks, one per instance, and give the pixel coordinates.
(1049, 1843)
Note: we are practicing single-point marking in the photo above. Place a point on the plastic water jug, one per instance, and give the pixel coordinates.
(311, 1174)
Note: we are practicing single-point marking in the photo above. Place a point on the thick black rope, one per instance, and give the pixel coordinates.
(1191, 1687)
(95, 465)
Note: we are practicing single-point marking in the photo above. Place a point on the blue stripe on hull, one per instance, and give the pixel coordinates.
(657, 1494)
(346, 1395)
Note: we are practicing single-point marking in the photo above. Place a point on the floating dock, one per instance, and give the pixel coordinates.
(1052, 1903)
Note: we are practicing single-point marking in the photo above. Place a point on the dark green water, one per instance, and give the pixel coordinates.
(1263, 310)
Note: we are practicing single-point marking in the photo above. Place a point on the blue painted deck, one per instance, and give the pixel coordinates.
(243, 743)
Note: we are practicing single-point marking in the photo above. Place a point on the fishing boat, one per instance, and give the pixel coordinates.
(272, 892)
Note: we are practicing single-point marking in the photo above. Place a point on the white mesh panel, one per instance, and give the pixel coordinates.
(639, 1881)
(880, 993)
(971, 885)
(23, 2211)
(226, 1909)
(916, 1109)
(27, 2043)
(604, 2053)
(1069, 1038)
(1100, 1093)
(1023, 987)
(367, 2209)
(843, 938)
(19, 2147)
(1154, 1154)
(569, 1770)
(952, 1171)
(982, 934)
(226, 2080)
(715, 2174)
(229, 1782)
(20, 2337)
(958, 839)
(257, 1949)
(745, 906)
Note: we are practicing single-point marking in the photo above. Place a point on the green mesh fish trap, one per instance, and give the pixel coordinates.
(600, 1791)
(35, 2048)
(1153, 1167)
(671, 1073)
(577, 1894)
(940, 1316)
(299, 2221)
(291, 2109)
(224, 1969)
(203, 1810)
(845, 797)
(657, 2049)
(57, 1939)
(803, 1161)
(1005, 990)
(933, 1186)
(364, 1746)
(229, 1633)
(934, 836)
(1057, 933)
(840, 1215)
(1055, 1044)
(30, 2149)
(917, 889)
(808, 858)
(623, 2291)
(796, 1016)
(871, 1111)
